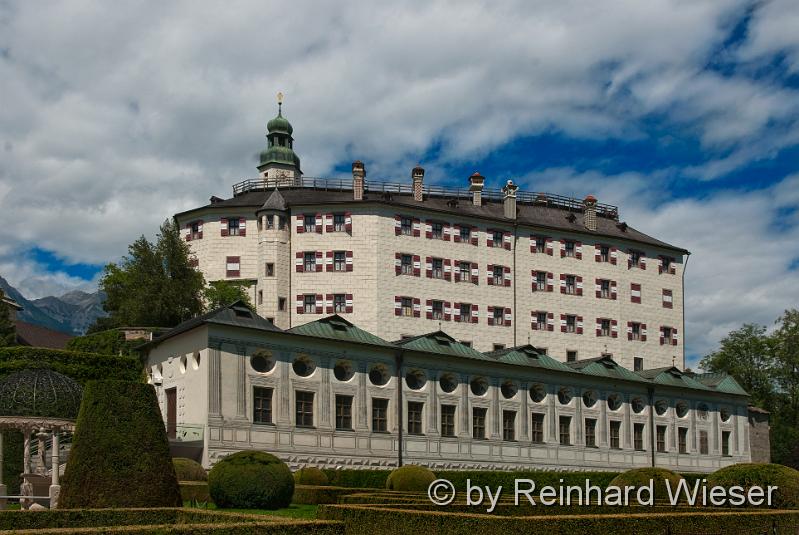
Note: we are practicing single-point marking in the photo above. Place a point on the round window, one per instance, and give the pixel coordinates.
(661, 406)
(479, 386)
(724, 413)
(303, 366)
(537, 393)
(614, 402)
(637, 404)
(448, 383)
(378, 375)
(415, 379)
(262, 362)
(682, 409)
(564, 396)
(589, 398)
(343, 371)
(508, 389)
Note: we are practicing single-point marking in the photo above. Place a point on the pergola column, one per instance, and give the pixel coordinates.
(26, 488)
(55, 488)
(3, 488)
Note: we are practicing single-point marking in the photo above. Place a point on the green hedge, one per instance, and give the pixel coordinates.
(362, 520)
(194, 490)
(747, 475)
(120, 453)
(310, 475)
(362, 479)
(318, 494)
(189, 469)
(111, 342)
(251, 480)
(541, 477)
(640, 477)
(410, 478)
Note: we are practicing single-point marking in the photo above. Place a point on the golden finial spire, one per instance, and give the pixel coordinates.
(279, 102)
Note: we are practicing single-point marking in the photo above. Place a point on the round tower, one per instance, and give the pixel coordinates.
(274, 249)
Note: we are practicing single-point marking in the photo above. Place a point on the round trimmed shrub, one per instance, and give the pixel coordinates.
(310, 475)
(410, 477)
(189, 469)
(120, 453)
(748, 475)
(251, 480)
(640, 477)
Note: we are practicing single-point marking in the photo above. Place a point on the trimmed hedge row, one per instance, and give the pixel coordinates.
(194, 490)
(362, 520)
(361, 479)
(315, 495)
(189, 469)
(111, 342)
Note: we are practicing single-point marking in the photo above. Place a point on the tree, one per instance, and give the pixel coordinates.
(155, 285)
(8, 335)
(222, 293)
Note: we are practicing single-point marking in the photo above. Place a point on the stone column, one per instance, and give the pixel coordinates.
(215, 380)
(324, 393)
(578, 418)
(525, 427)
(465, 430)
(284, 390)
(363, 402)
(26, 488)
(3, 488)
(554, 436)
(55, 487)
(241, 383)
(496, 432)
(432, 428)
(41, 460)
(602, 424)
(628, 426)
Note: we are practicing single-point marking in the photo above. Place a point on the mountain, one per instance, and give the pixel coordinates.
(71, 313)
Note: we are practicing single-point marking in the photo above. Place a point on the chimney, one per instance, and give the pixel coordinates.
(589, 213)
(417, 176)
(509, 201)
(476, 182)
(358, 176)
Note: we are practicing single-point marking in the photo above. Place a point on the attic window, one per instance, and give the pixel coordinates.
(442, 340)
(338, 325)
(530, 353)
(242, 312)
(609, 364)
(675, 373)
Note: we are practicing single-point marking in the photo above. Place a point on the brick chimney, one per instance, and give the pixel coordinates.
(417, 175)
(509, 200)
(476, 182)
(358, 177)
(589, 213)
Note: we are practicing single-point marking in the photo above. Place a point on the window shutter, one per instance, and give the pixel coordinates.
(348, 260)
(550, 321)
(643, 332)
(508, 317)
(447, 311)
(329, 260)
(428, 266)
(397, 225)
(489, 238)
(299, 262)
(598, 288)
(456, 237)
(550, 282)
(578, 250)
(662, 335)
(242, 226)
(635, 293)
(200, 230)
(579, 325)
(562, 248)
(319, 303)
(428, 309)
(563, 283)
(300, 223)
(456, 270)
(534, 276)
(397, 305)
(223, 224)
(614, 253)
(597, 252)
(397, 263)
(445, 232)
(417, 307)
(506, 240)
(534, 320)
(475, 313)
(474, 235)
(563, 323)
(447, 269)
(348, 222)
(674, 337)
(417, 266)
(456, 311)
(599, 326)
(579, 288)
(348, 303)
(428, 229)
(491, 315)
(614, 328)
(475, 273)
(642, 263)
(532, 243)
(629, 330)
(329, 303)
(490, 271)
(188, 231)
(507, 276)
(299, 303)
(417, 227)
(318, 222)
(328, 222)
(613, 290)
(318, 261)
(549, 247)
(667, 299)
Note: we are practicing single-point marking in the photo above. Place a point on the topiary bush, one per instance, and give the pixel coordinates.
(749, 475)
(189, 469)
(310, 475)
(251, 480)
(410, 477)
(639, 477)
(120, 453)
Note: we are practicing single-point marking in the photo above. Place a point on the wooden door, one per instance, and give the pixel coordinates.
(171, 412)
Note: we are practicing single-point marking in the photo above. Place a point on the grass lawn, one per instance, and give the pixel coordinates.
(306, 512)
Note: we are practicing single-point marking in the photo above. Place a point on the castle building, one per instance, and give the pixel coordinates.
(493, 268)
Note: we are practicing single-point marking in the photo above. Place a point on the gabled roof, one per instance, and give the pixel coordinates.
(672, 376)
(10, 302)
(528, 355)
(720, 382)
(236, 314)
(337, 328)
(32, 335)
(275, 201)
(442, 343)
(605, 367)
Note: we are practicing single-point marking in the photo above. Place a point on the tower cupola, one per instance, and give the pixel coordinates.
(278, 160)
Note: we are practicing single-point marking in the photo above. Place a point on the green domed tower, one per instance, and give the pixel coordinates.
(278, 159)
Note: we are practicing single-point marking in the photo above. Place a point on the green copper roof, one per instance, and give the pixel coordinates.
(605, 367)
(672, 376)
(279, 123)
(337, 328)
(442, 343)
(528, 355)
(721, 382)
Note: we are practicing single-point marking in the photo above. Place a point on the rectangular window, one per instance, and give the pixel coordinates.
(281, 222)
(541, 321)
(233, 226)
(540, 244)
(638, 364)
(467, 343)
(509, 425)
(615, 435)
(407, 264)
(590, 432)
(498, 237)
(262, 405)
(260, 297)
(668, 335)
(479, 422)
(195, 230)
(568, 248)
(541, 281)
(233, 266)
(666, 262)
(660, 436)
(465, 270)
(498, 274)
(499, 316)
(604, 253)
(571, 324)
(668, 301)
(438, 231)
(339, 222)
(343, 412)
(309, 303)
(438, 310)
(682, 439)
(438, 268)
(270, 222)
(635, 258)
(571, 284)
(636, 330)
(466, 234)
(537, 428)
(339, 261)
(407, 307)
(407, 226)
(604, 289)
(638, 437)
(281, 303)
(379, 415)
(725, 443)
(565, 430)
(270, 269)
(304, 404)
(447, 420)
(339, 303)
(415, 417)
(571, 356)
(466, 312)
(309, 223)
(703, 447)
(309, 261)
(604, 327)
(497, 347)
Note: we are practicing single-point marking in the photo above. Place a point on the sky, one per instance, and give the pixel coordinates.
(685, 114)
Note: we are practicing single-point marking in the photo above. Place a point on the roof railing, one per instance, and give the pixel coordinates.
(340, 184)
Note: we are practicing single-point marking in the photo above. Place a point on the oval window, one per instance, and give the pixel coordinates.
(682, 409)
(725, 414)
(415, 379)
(479, 386)
(637, 405)
(614, 402)
(448, 383)
(508, 389)
(538, 393)
(661, 407)
(262, 362)
(378, 375)
(564, 396)
(589, 398)
(195, 361)
(303, 366)
(343, 371)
